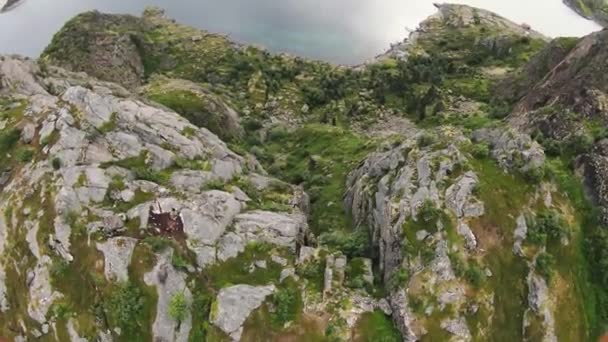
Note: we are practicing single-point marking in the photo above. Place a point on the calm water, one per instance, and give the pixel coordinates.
(342, 31)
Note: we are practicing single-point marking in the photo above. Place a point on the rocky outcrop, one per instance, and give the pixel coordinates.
(234, 304)
(512, 149)
(198, 104)
(117, 253)
(391, 191)
(574, 85)
(275, 228)
(594, 168)
(102, 159)
(169, 282)
(591, 9)
(515, 85)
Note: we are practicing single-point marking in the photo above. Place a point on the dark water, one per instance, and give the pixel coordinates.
(341, 31)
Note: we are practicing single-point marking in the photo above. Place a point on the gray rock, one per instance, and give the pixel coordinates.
(459, 197)
(27, 133)
(230, 246)
(168, 283)
(274, 228)
(519, 235)
(74, 337)
(286, 273)
(190, 181)
(41, 293)
(421, 235)
(465, 231)
(113, 224)
(235, 304)
(206, 220)
(368, 272)
(457, 327)
(306, 254)
(261, 264)
(540, 304)
(117, 253)
(279, 260)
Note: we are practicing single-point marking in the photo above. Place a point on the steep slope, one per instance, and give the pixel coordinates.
(463, 244)
(89, 238)
(455, 227)
(591, 9)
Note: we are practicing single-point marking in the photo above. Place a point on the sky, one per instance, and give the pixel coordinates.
(342, 31)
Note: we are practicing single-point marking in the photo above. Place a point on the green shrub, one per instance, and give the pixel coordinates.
(426, 139)
(278, 133)
(178, 307)
(428, 213)
(25, 154)
(534, 174)
(157, 244)
(8, 139)
(544, 265)
(188, 131)
(399, 278)
(480, 150)
(124, 307)
(475, 275)
(287, 302)
(179, 262)
(548, 225)
(59, 268)
(352, 244)
(147, 174)
(56, 163)
(61, 310)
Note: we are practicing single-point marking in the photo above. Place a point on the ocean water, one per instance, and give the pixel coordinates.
(339, 31)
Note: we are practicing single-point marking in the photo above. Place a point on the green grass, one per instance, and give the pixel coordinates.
(376, 327)
(236, 270)
(192, 107)
(319, 157)
(505, 196)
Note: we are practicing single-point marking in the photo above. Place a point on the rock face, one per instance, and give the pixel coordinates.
(117, 253)
(512, 149)
(104, 161)
(234, 304)
(594, 167)
(517, 85)
(591, 9)
(169, 283)
(576, 85)
(409, 180)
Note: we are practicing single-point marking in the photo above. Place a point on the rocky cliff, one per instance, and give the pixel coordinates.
(591, 9)
(161, 183)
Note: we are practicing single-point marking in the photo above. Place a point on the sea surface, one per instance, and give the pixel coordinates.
(339, 31)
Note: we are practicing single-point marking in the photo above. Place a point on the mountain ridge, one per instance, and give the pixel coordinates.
(218, 192)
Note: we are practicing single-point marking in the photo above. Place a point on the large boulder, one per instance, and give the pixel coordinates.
(234, 304)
